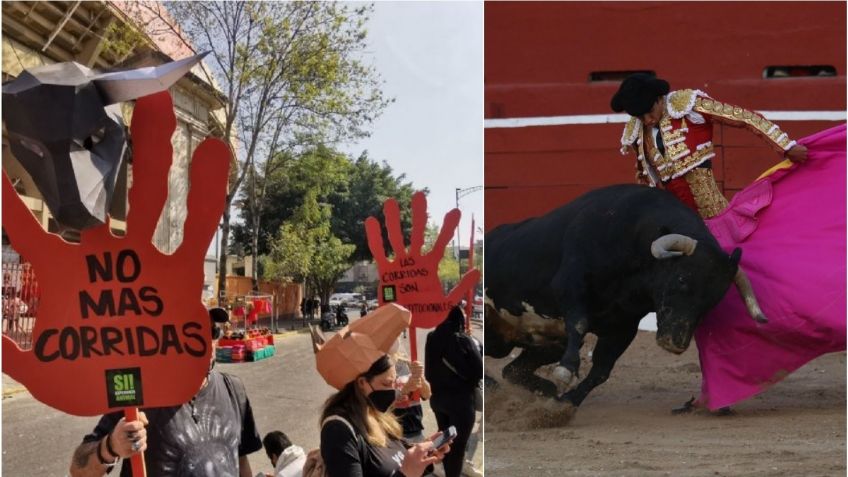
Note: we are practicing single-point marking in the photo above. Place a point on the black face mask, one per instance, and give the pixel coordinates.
(382, 399)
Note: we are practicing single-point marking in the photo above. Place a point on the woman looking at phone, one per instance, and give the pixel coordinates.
(370, 442)
(359, 434)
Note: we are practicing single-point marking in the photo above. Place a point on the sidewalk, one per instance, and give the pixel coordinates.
(11, 387)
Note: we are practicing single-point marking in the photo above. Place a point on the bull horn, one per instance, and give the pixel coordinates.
(747, 292)
(130, 84)
(673, 245)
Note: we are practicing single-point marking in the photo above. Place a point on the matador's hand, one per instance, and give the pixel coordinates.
(412, 278)
(118, 303)
(798, 153)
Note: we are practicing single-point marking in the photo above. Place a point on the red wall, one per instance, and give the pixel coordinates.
(538, 58)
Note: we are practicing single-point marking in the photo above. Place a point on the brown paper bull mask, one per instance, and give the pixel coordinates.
(65, 128)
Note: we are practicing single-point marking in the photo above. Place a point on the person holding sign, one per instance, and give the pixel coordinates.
(359, 434)
(412, 388)
(214, 432)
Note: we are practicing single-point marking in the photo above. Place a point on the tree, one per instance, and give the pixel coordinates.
(369, 186)
(292, 77)
(289, 258)
(331, 259)
(305, 250)
(319, 170)
(355, 190)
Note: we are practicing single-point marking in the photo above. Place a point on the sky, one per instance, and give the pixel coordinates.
(430, 57)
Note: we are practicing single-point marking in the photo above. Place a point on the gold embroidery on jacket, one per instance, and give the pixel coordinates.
(708, 197)
(630, 134)
(742, 117)
(680, 102)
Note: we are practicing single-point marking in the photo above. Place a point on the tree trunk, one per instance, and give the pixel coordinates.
(222, 257)
(255, 242)
(254, 239)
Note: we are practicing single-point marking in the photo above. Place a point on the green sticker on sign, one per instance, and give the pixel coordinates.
(389, 293)
(123, 387)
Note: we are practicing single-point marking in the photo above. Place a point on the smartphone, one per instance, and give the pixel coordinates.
(447, 436)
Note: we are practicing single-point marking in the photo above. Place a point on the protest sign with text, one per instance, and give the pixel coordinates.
(121, 324)
(411, 277)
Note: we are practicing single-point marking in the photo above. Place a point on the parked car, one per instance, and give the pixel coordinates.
(353, 299)
(346, 299)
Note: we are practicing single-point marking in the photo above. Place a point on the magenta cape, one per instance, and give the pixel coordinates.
(791, 228)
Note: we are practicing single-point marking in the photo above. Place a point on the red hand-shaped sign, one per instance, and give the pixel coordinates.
(121, 324)
(412, 278)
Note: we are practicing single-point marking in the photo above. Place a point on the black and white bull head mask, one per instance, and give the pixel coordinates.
(65, 128)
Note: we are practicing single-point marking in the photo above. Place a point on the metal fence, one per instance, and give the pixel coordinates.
(20, 297)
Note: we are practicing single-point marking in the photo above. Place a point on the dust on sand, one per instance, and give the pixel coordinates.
(625, 426)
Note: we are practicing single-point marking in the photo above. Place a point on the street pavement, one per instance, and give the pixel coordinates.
(285, 391)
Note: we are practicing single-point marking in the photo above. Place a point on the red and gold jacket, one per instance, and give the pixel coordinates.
(686, 129)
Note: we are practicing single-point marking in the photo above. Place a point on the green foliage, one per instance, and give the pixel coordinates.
(449, 269)
(290, 255)
(354, 190)
(306, 250)
(120, 39)
(370, 184)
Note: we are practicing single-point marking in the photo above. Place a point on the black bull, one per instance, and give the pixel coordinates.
(599, 264)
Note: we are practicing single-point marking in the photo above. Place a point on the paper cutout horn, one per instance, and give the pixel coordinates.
(354, 348)
(69, 136)
(126, 85)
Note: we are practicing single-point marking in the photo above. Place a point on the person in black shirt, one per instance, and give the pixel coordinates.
(210, 435)
(453, 365)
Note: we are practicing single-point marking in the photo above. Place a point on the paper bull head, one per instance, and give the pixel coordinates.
(65, 128)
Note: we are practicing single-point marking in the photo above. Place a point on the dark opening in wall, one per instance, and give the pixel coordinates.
(798, 71)
(618, 76)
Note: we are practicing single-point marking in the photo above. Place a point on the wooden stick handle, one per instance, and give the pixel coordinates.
(137, 459)
(413, 354)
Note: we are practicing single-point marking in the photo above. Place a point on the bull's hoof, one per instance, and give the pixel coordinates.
(562, 376)
(686, 408)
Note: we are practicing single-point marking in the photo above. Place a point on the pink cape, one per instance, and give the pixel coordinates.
(791, 228)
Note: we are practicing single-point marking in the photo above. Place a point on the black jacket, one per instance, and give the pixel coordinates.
(449, 347)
